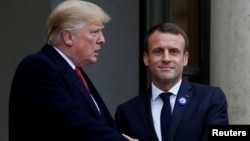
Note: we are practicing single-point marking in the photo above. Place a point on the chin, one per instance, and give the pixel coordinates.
(93, 61)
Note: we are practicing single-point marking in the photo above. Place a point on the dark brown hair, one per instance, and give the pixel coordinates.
(167, 28)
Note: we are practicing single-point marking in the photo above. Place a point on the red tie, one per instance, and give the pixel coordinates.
(79, 73)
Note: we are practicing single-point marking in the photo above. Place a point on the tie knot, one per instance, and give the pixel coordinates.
(78, 72)
(77, 69)
(165, 96)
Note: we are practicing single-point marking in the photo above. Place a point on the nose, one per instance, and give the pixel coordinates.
(101, 38)
(166, 56)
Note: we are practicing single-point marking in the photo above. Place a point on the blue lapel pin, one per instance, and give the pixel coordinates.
(183, 100)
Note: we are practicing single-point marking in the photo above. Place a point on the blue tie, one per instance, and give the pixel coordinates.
(165, 115)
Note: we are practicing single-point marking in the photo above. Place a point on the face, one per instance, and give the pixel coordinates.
(165, 59)
(86, 43)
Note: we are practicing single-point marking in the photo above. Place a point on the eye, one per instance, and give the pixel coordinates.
(174, 51)
(157, 51)
(95, 32)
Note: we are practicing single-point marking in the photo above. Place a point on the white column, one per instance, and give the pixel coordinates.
(230, 55)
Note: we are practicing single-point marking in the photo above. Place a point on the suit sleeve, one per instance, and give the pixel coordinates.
(218, 110)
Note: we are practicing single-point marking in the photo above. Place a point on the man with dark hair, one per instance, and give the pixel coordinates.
(172, 109)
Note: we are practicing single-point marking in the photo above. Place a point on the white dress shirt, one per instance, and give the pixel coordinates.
(157, 103)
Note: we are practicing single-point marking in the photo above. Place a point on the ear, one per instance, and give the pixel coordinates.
(145, 58)
(185, 58)
(67, 37)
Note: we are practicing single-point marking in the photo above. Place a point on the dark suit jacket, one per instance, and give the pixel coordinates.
(205, 105)
(48, 102)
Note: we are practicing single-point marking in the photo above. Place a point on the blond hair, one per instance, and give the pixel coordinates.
(71, 14)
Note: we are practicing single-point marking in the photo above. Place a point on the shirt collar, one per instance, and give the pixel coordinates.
(156, 91)
(65, 57)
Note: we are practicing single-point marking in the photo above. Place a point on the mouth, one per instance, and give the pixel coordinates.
(96, 53)
(166, 68)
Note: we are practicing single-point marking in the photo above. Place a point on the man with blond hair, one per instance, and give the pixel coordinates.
(51, 97)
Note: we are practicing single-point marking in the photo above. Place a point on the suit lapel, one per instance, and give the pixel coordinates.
(84, 92)
(70, 74)
(104, 110)
(180, 108)
(146, 114)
